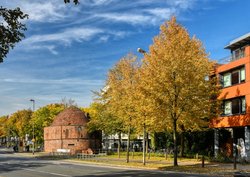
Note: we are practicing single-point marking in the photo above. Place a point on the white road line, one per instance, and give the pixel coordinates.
(57, 174)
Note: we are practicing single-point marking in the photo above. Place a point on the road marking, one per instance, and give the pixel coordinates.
(57, 174)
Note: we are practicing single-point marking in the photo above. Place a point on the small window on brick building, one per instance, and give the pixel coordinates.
(71, 144)
(67, 133)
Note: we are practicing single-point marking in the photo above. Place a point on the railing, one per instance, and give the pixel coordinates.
(231, 58)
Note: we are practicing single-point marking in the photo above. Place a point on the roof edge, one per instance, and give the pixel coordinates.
(237, 40)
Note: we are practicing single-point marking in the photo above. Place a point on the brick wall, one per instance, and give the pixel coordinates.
(75, 138)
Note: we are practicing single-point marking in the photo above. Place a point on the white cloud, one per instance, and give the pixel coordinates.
(65, 37)
(182, 4)
(52, 41)
(102, 2)
(44, 12)
(40, 10)
(104, 38)
(161, 13)
(68, 81)
(127, 18)
(153, 16)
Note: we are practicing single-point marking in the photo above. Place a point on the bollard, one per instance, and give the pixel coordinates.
(235, 164)
(202, 161)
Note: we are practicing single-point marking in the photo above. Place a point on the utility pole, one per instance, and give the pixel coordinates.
(33, 128)
(140, 50)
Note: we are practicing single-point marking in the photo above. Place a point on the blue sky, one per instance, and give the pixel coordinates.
(69, 49)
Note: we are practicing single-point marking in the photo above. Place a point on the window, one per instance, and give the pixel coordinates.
(238, 53)
(227, 79)
(234, 106)
(233, 77)
(227, 108)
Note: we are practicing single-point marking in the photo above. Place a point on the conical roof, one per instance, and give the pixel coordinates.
(70, 116)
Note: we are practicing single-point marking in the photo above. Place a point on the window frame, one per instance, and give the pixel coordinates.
(238, 53)
(241, 72)
(228, 107)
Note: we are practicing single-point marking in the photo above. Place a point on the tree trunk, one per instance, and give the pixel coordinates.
(175, 142)
(128, 145)
(119, 145)
(144, 145)
(182, 144)
(153, 141)
(147, 144)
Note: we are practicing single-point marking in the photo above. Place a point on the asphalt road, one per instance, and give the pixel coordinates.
(13, 165)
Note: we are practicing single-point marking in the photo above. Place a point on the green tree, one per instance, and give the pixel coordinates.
(43, 117)
(173, 73)
(74, 1)
(11, 29)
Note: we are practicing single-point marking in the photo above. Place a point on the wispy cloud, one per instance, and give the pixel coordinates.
(65, 37)
(127, 18)
(40, 12)
(182, 4)
(52, 41)
(81, 34)
(68, 81)
(145, 13)
(100, 2)
(161, 13)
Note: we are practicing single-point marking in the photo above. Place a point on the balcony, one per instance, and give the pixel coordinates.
(232, 58)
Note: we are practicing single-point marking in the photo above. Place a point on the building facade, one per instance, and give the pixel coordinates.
(232, 127)
(68, 132)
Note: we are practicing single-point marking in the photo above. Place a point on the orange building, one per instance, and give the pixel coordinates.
(232, 127)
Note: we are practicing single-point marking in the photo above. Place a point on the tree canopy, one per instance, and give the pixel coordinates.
(11, 29)
(74, 1)
(43, 117)
(174, 75)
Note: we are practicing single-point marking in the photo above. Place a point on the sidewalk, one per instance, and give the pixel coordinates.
(185, 165)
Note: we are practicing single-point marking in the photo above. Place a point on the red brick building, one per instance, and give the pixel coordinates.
(68, 131)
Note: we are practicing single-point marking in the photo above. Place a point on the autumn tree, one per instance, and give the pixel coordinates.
(3, 121)
(103, 120)
(18, 123)
(121, 83)
(174, 74)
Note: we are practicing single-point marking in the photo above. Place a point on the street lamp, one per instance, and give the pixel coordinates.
(140, 50)
(33, 129)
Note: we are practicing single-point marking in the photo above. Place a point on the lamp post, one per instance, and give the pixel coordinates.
(33, 129)
(140, 50)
